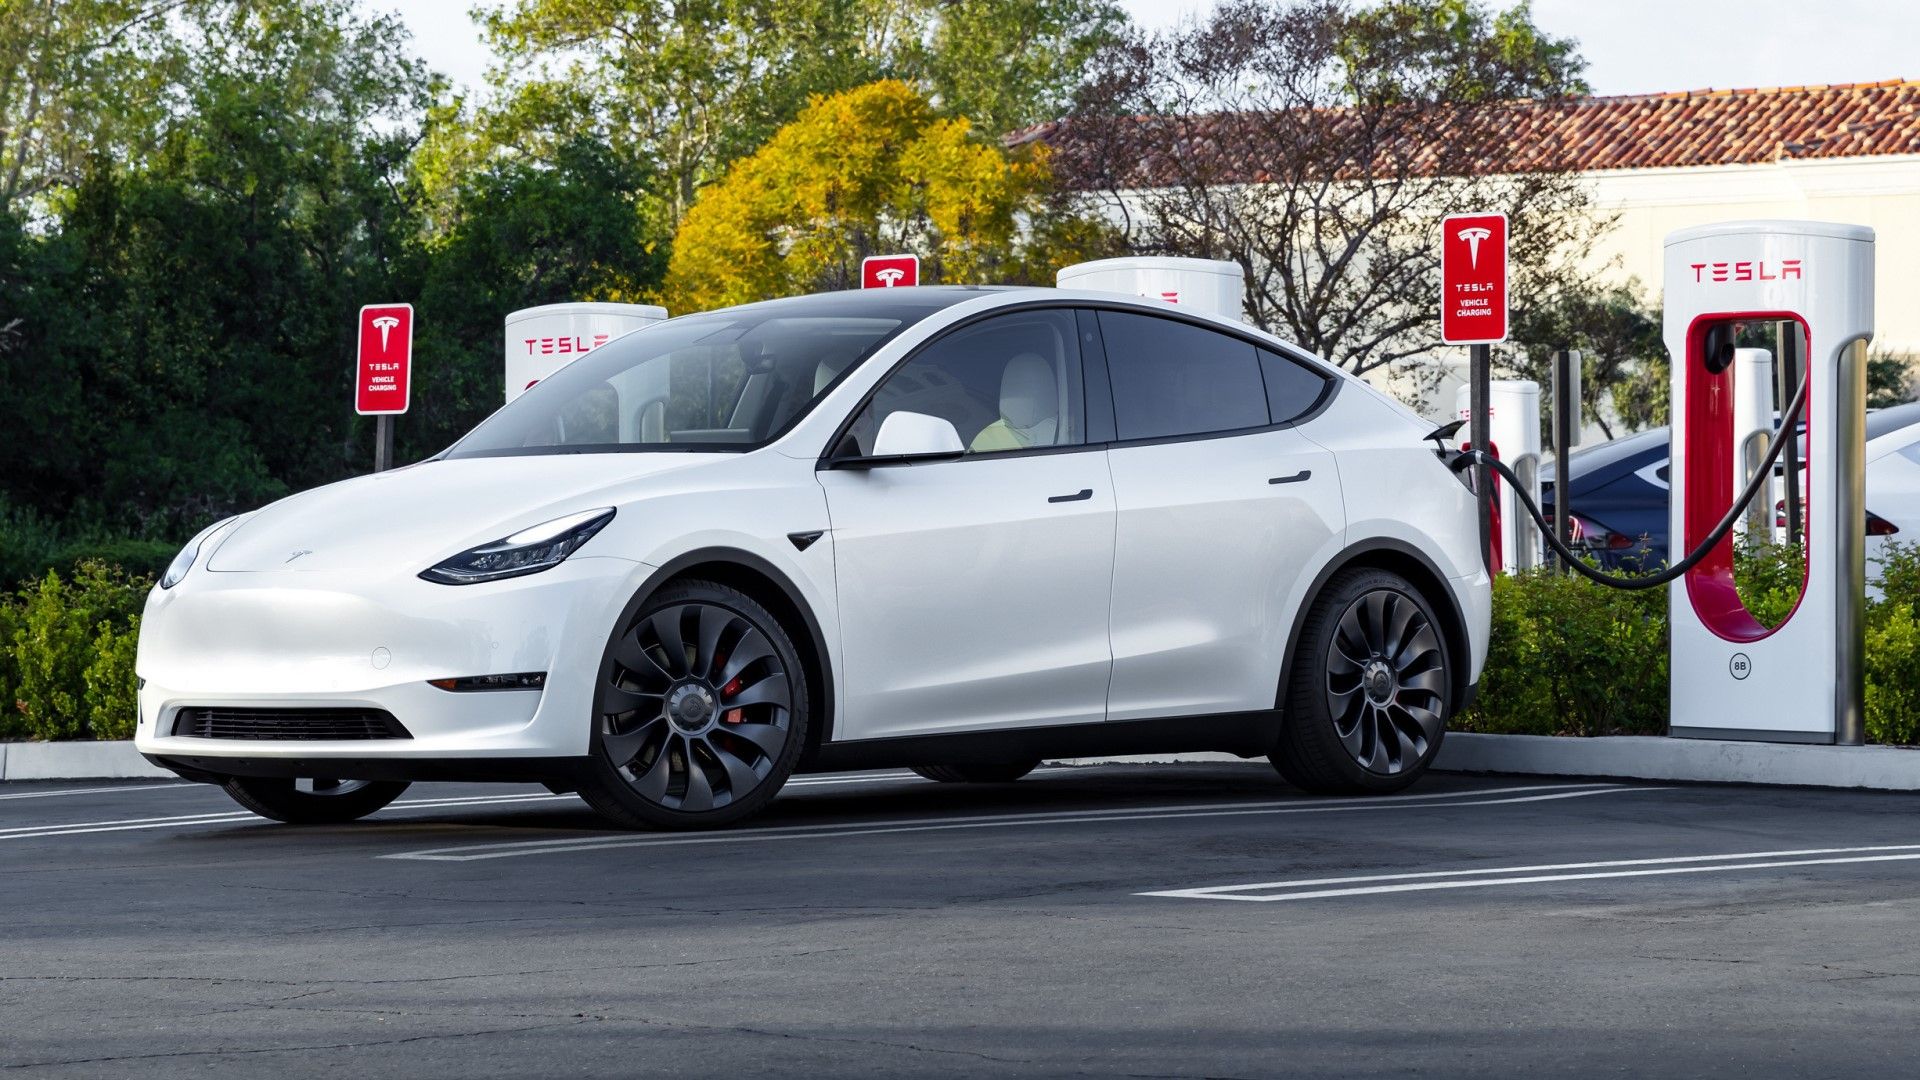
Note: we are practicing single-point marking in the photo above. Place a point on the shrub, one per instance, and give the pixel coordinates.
(60, 675)
(11, 724)
(112, 706)
(1569, 657)
(1769, 578)
(1893, 679)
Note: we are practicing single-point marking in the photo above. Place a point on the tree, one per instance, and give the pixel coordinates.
(187, 339)
(690, 86)
(1318, 145)
(1623, 358)
(77, 78)
(862, 172)
(520, 233)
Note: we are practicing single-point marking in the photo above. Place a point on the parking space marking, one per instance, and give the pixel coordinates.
(228, 817)
(1482, 877)
(183, 786)
(476, 852)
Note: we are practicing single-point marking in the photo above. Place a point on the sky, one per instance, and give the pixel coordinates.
(1631, 46)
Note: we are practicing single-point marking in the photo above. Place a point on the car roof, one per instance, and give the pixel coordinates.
(1891, 419)
(908, 304)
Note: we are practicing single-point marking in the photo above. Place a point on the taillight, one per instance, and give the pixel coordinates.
(1879, 526)
(1596, 535)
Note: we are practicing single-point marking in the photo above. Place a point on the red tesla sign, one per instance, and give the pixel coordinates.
(1473, 279)
(889, 271)
(381, 382)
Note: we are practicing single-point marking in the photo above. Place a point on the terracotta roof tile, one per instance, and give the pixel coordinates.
(1700, 127)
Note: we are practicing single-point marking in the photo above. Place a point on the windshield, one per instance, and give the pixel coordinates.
(730, 380)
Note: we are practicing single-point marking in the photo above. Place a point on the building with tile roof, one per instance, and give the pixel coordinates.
(1662, 162)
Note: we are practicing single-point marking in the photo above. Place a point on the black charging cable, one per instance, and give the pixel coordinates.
(1468, 458)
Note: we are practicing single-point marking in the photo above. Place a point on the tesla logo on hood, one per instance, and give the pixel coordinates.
(297, 554)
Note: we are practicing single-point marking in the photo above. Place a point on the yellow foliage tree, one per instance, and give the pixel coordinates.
(872, 170)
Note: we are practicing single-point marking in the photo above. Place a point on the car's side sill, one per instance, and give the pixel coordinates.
(1247, 734)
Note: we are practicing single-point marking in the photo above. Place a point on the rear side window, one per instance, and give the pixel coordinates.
(1293, 388)
(1172, 378)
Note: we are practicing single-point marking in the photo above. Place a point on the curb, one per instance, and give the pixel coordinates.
(1653, 757)
(1620, 757)
(76, 761)
(1641, 757)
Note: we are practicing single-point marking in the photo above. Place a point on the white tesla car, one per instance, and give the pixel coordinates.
(955, 529)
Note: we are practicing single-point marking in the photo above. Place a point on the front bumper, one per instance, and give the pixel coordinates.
(342, 639)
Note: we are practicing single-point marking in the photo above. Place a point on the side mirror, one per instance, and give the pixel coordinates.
(909, 437)
(917, 435)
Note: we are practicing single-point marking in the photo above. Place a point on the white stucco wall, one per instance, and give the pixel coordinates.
(1880, 192)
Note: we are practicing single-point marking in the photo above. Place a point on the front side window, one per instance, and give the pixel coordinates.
(725, 381)
(1172, 378)
(1010, 383)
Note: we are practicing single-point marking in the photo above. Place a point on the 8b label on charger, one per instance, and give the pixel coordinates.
(1740, 666)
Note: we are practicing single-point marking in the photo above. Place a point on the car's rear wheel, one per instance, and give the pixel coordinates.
(311, 801)
(1370, 690)
(700, 711)
(1000, 773)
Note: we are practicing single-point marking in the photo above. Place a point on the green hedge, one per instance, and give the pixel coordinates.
(66, 654)
(1569, 657)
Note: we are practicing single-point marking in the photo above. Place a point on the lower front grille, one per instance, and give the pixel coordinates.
(288, 724)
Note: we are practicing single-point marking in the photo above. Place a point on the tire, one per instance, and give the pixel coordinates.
(1370, 691)
(700, 711)
(312, 802)
(1003, 773)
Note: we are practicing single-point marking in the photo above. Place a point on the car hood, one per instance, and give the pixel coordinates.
(413, 517)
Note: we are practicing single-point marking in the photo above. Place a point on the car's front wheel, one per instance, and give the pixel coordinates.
(312, 802)
(700, 712)
(1370, 689)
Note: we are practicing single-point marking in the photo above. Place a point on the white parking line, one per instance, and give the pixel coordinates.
(82, 828)
(475, 852)
(1479, 878)
(182, 785)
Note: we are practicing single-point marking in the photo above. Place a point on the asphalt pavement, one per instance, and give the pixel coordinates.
(1174, 920)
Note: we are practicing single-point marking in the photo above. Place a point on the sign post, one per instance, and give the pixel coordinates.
(383, 372)
(889, 271)
(1473, 311)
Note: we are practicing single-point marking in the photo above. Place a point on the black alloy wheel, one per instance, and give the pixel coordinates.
(700, 711)
(312, 801)
(1370, 692)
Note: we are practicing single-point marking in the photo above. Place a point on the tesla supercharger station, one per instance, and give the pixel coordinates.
(542, 340)
(1513, 424)
(1753, 423)
(1209, 285)
(1731, 676)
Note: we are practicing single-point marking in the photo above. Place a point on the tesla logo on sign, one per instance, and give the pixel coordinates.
(382, 381)
(889, 271)
(1473, 279)
(1473, 238)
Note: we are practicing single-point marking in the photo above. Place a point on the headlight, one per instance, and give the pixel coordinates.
(528, 551)
(190, 554)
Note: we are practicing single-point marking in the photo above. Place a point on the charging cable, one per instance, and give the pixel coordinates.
(1468, 458)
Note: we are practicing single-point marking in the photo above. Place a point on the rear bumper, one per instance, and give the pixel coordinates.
(367, 641)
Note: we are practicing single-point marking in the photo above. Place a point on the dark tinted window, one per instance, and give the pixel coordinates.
(1292, 387)
(1174, 378)
(1009, 383)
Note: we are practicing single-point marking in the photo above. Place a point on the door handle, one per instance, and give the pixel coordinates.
(1294, 479)
(1079, 496)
